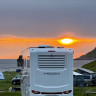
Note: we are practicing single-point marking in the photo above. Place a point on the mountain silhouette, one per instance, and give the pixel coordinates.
(89, 56)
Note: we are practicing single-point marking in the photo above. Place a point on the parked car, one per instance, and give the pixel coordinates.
(93, 81)
(14, 89)
(16, 80)
(87, 80)
(78, 81)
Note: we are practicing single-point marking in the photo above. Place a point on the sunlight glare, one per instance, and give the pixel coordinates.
(67, 41)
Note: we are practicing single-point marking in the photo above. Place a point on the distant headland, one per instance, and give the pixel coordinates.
(89, 56)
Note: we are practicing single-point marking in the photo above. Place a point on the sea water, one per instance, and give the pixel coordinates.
(11, 64)
(8, 65)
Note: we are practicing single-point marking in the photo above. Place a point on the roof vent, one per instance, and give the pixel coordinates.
(60, 47)
(45, 46)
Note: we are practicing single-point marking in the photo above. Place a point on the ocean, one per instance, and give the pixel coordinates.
(11, 64)
(8, 65)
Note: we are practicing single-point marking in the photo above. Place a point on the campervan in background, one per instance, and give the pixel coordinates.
(47, 71)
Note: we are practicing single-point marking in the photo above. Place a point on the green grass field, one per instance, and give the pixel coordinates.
(5, 84)
(91, 66)
(79, 91)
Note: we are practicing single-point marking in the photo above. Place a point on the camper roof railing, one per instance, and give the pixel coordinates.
(46, 46)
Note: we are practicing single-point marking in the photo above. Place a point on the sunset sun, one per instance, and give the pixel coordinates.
(66, 41)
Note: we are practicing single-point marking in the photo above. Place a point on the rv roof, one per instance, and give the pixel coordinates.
(43, 46)
(86, 70)
(75, 73)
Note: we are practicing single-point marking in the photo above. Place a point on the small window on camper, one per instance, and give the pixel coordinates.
(24, 62)
(86, 76)
(28, 61)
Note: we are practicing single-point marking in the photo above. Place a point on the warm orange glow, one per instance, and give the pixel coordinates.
(11, 46)
(67, 41)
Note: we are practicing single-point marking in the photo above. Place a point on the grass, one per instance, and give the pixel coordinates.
(10, 94)
(5, 84)
(79, 91)
(91, 66)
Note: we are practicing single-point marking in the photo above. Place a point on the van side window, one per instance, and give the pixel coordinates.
(24, 62)
(28, 61)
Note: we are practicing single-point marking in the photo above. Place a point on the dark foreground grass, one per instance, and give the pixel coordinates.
(10, 94)
(6, 84)
(80, 91)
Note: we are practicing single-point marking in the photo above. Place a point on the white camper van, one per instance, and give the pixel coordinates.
(47, 71)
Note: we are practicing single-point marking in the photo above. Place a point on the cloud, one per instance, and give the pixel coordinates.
(7, 36)
(39, 18)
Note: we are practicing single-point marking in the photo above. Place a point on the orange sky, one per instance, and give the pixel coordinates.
(74, 19)
(11, 46)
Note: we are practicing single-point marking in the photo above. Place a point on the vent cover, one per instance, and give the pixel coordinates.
(51, 61)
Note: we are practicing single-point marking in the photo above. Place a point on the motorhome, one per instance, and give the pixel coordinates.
(47, 71)
(78, 79)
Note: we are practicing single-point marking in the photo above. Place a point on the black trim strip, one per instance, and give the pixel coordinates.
(51, 93)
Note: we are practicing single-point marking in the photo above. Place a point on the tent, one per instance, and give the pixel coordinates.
(1, 76)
